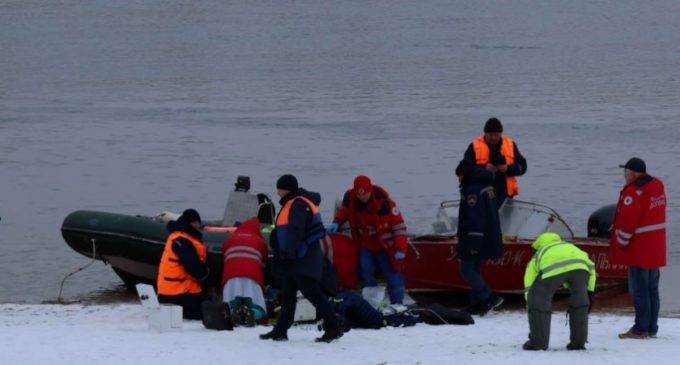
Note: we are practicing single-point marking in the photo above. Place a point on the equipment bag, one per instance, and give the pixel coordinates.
(217, 316)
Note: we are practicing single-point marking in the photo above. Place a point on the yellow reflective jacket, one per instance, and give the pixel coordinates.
(553, 257)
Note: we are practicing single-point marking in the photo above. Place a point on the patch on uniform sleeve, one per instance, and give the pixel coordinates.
(395, 211)
(471, 200)
(628, 200)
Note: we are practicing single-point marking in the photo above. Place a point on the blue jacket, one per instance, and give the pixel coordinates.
(479, 228)
(301, 225)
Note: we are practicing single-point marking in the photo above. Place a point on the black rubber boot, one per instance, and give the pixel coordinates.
(330, 335)
(528, 346)
(572, 347)
(274, 335)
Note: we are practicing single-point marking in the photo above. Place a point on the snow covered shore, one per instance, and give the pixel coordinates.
(115, 334)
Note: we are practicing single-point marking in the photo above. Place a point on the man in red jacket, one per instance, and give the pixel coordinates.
(638, 239)
(244, 253)
(379, 230)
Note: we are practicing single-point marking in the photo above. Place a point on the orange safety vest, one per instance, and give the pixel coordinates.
(173, 279)
(482, 154)
(315, 231)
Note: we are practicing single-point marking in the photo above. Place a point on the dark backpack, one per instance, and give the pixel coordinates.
(436, 314)
(216, 316)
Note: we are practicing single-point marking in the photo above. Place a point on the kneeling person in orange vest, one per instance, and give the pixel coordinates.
(183, 265)
(558, 264)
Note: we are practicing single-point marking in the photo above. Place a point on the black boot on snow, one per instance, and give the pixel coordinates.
(528, 346)
(572, 347)
(274, 335)
(330, 335)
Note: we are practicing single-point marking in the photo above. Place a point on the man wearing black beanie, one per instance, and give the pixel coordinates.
(296, 244)
(183, 267)
(498, 154)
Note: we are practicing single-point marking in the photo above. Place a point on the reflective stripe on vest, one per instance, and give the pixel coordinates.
(399, 229)
(542, 251)
(483, 157)
(564, 263)
(173, 279)
(315, 231)
(622, 237)
(243, 252)
(650, 228)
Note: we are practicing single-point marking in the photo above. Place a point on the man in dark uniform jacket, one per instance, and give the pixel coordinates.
(479, 233)
(296, 241)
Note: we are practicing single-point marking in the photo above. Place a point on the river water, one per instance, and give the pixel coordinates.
(137, 107)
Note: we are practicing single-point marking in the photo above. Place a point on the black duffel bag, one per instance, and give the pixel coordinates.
(217, 316)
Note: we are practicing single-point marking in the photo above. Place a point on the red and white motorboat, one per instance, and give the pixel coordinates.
(433, 266)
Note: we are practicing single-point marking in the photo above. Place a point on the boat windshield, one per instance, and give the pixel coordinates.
(519, 219)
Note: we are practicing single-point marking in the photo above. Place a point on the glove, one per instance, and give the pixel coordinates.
(399, 255)
(332, 228)
(591, 299)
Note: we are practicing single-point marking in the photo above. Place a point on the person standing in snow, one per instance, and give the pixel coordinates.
(558, 264)
(183, 265)
(638, 239)
(498, 154)
(378, 229)
(479, 234)
(244, 253)
(296, 240)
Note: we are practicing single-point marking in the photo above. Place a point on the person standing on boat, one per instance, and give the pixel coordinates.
(379, 231)
(638, 239)
(479, 233)
(498, 154)
(558, 264)
(244, 254)
(296, 240)
(183, 265)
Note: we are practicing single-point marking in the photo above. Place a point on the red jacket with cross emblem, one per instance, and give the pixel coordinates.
(638, 235)
(376, 225)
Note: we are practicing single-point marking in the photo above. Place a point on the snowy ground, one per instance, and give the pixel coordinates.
(75, 334)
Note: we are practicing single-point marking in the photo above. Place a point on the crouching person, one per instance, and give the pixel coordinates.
(183, 265)
(555, 264)
(242, 279)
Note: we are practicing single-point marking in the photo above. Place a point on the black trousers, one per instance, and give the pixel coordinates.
(311, 289)
(190, 303)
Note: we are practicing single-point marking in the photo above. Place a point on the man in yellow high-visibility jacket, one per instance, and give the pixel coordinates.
(556, 264)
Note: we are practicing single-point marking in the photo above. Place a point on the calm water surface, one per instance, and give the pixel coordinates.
(137, 107)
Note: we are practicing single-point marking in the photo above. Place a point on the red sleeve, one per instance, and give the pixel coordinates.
(398, 226)
(628, 215)
(342, 214)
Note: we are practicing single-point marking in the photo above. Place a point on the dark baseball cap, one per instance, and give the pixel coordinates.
(635, 164)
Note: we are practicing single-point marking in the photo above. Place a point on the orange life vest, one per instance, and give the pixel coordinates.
(173, 279)
(315, 230)
(483, 156)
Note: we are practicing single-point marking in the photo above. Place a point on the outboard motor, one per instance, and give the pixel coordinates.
(600, 222)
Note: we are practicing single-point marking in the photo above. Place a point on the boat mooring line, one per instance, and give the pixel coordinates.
(60, 300)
